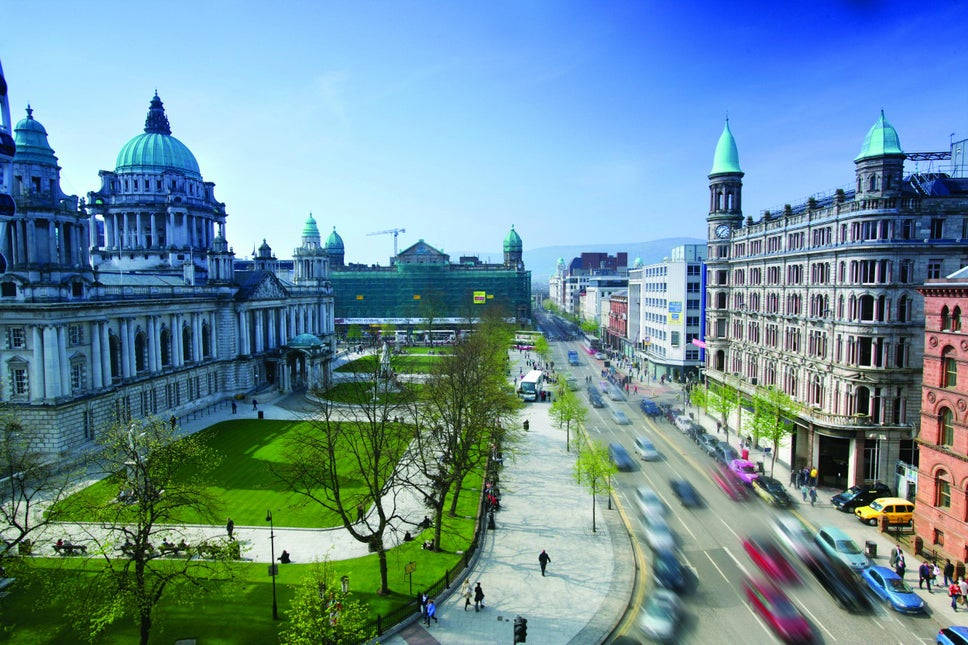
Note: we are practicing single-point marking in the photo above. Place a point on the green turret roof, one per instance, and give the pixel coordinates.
(726, 158)
(881, 140)
(156, 150)
(513, 241)
(310, 229)
(30, 138)
(334, 242)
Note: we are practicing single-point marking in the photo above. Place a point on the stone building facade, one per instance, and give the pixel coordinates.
(941, 505)
(129, 305)
(820, 300)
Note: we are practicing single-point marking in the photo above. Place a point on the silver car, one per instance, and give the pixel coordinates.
(650, 504)
(620, 417)
(658, 534)
(660, 615)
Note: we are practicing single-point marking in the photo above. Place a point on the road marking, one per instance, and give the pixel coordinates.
(815, 620)
(738, 563)
(708, 557)
(730, 529)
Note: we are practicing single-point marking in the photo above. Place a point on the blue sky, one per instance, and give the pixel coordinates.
(580, 122)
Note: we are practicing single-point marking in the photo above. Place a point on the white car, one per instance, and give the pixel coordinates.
(650, 504)
(660, 616)
(600, 356)
(658, 534)
(794, 536)
(683, 422)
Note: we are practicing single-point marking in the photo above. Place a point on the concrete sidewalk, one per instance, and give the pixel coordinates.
(589, 579)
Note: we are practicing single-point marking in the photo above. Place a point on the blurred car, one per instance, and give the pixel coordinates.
(599, 356)
(649, 501)
(658, 534)
(729, 483)
(766, 555)
(860, 495)
(682, 422)
(572, 383)
(620, 457)
(890, 587)
(686, 493)
(837, 545)
(725, 453)
(620, 418)
(897, 510)
(744, 469)
(660, 615)
(594, 397)
(772, 491)
(954, 635)
(794, 536)
(696, 432)
(615, 393)
(668, 572)
(837, 579)
(650, 408)
(709, 444)
(773, 605)
(646, 449)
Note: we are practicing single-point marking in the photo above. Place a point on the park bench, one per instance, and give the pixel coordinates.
(69, 548)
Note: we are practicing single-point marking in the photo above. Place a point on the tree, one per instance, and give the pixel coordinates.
(541, 346)
(27, 479)
(388, 332)
(161, 478)
(567, 410)
(590, 326)
(344, 461)
(354, 333)
(594, 471)
(321, 612)
(773, 411)
(723, 398)
(699, 396)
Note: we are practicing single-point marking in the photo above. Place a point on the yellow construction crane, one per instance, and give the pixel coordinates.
(394, 232)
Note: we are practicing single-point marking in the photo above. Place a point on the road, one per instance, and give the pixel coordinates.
(716, 609)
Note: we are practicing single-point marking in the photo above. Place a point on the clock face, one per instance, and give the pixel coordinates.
(722, 231)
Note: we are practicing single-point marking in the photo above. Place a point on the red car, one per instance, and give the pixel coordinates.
(767, 556)
(773, 605)
(730, 484)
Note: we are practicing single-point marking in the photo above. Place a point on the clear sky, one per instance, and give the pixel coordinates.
(584, 122)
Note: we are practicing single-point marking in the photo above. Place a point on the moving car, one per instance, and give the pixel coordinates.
(729, 483)
(795, 537)
(897, 510)
(615, 393)
(594, 397)
(837, 545)
(890, 587)
(660, 615)
(572, 383)
(572, 357)
(599, 356)
(620, 417)
(685, 492)
(840, 582)
(766, 555)
(710, 444)
(772, 491)
(649, 502)
(646, 449)
(620, 457)
(860, 495)
(954, 635)
(725, 453)
(668, 572)
(682, 422)
(773, 605)
(658, 534)
(744, 469)
(650, 408)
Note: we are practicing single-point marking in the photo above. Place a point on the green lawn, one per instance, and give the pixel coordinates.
(437, 351)
(34, 614)
(405, 364)
(351, 393)
(243, 480)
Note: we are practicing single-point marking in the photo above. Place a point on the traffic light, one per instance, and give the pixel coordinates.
(520, 630)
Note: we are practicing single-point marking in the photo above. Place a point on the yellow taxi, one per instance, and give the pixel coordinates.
(897, 510)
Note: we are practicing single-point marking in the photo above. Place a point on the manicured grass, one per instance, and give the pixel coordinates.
(436, 351)
(404, 364)
(34, 614)
(351, 393)
(243, 480)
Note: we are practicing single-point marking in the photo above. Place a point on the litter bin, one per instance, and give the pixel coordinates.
(870, 548)
(262, 414)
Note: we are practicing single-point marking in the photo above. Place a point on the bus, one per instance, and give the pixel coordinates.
(591, 344)
(530, 386)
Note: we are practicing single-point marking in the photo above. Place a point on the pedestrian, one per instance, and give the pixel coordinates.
(793, 477)
(813, 477)
(431, 612)
(465, 592)
(478, 596)
(899, 567)
(719, 427)
(423, 604)
(359, 513)
(963, 589)
(255, 404)
(229, 527)
(813, 495)
(895, 554)
(543, 560)
(803, 492)
(234, 407)
(949, 572)
(935, 574)
(954, 591)
(924, 576)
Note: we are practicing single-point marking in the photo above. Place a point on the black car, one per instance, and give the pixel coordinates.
(709, 443)
(594, 397)
(620, 457)
(860, 495)
(668, 572)
(725, 453)
(772, 491)
(695, 432)
(686, 493)
(841, 583)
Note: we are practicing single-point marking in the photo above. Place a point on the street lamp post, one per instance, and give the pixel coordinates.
(272, 565)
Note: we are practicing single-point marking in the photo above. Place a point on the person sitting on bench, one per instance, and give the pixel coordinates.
(284, 558)
(425, 522)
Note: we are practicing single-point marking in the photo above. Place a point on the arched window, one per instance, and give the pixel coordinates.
(140, 352)
(720, 360)
(866, 307)
(165, 341)
(114, 343)
(872, 182)
(862, 400)
(956, 319)
(949, 368)
(943, 488)
(945, 318)
(946, 427)
(860, 187)
(187, 344)
(902, 309)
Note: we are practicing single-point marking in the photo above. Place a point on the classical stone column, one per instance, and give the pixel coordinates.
(259, 331)
(106, 354)
(37, 365)
(152, 335)
(212, 335)
(65, 365)
(97, 373)
(52, 242)
(243, 335)
(283, 325)
(271, 315)
(154, 230)
(179, 340)
(197, 337)
(125, 349)
(52, 381)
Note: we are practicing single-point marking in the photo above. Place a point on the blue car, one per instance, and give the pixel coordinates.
(650, 408)
(890, 587)
(954, 635)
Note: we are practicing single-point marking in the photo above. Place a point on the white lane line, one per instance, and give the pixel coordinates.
(730, 529)
(815, 620)
(715, 566)
(655, 487)
(738, 563)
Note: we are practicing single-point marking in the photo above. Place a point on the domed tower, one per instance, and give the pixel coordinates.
(880, 165)
(264, 260)
(334, 249)
(48, 236)
(7, 149)
(512, 249)
(309, 260)
(560, 266)
(725, 191)
(157, 211)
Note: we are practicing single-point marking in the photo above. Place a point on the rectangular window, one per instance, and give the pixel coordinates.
(944, 494)
(937, 228)
(939, 537)
(907, 229)
(88, 423)
(18, 381)
(16, 338)
(75, 334)
(692, 354)
(77, 376)
(692, 304)
(693, 269)
(692, 321)
(934, 269)
(675, 338)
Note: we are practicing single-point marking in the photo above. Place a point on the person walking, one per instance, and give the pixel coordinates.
(465, 592)
(954, 591)
(423, 604)
(234, 407)
(900, 566)
(895, 554)
(963, 588)
(255, 404)
(431, 613)
(813, 495)
(229, 527)
(935, 573)
(478, 596)
(949, 573)
(924, 575)
(543, 560)
(803, 491)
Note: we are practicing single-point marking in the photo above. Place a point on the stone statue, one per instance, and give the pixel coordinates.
(385, 371)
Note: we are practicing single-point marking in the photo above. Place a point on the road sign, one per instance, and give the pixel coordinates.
(273, 569)
(410, 567)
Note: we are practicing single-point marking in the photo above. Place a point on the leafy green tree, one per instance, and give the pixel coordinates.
(567, 411)
(354, 333)
(723, 399)
(541, 347)
(699, 396)
(590, 326)
(321, 612)
(773, 411)
(594, 471)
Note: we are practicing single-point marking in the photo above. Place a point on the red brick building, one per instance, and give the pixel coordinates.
(617, 326)
(941, 507)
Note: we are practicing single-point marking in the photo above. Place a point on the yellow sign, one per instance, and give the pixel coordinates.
(410, 567)
(479, 297)
(359, 297)
(490, 296)
(675, 319)
(416, 296)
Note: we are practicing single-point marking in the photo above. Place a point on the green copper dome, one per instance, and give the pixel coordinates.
(334, 242)
(310, 229)
(156, 150)
(881, 140)
(726, 158)
(305, 341)
(30, 138)
(513, 241)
